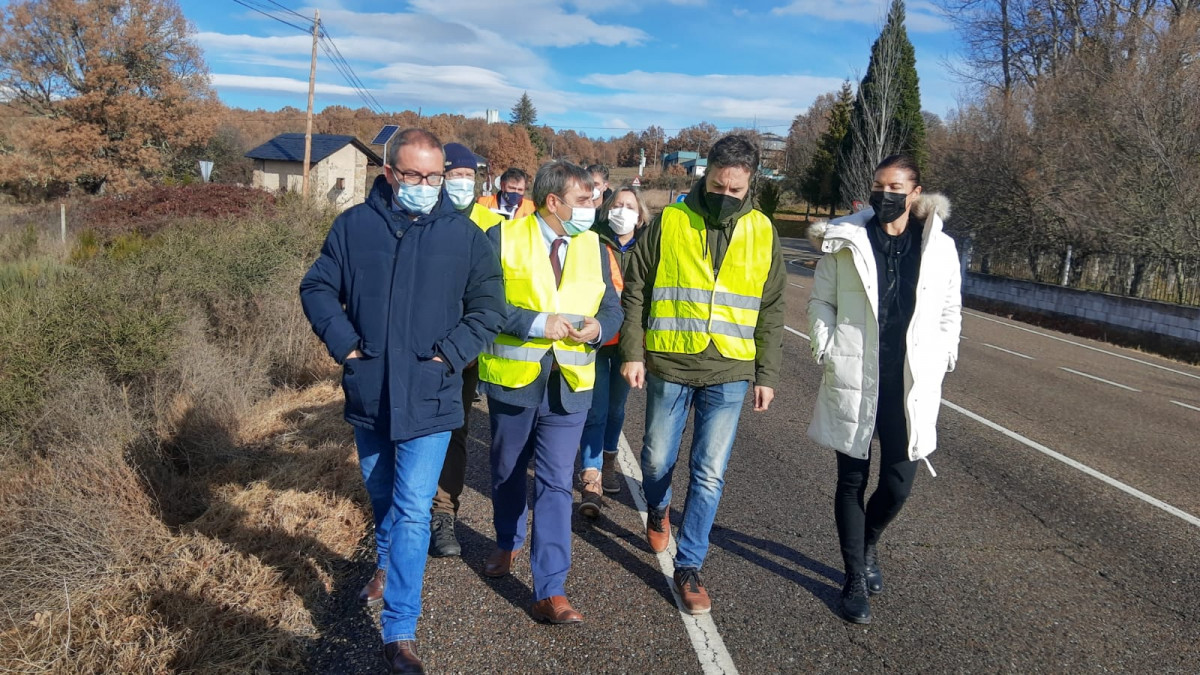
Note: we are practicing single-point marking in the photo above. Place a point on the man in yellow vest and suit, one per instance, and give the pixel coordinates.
(539, 372)
(704, 318)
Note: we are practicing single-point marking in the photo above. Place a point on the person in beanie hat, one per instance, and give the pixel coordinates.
(460, 188)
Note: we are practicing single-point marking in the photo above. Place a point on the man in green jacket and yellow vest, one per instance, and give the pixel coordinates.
(704, 318)
(539, 372)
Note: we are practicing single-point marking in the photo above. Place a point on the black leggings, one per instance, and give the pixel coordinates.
(858, 527)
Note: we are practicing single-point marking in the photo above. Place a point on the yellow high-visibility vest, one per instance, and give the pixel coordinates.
(691, 306)
(484, 217)
(529, 283)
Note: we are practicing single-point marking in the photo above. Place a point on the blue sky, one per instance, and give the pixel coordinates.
(598, 66)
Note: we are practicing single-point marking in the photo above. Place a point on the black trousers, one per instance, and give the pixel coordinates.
(860, 527)
(454, 470)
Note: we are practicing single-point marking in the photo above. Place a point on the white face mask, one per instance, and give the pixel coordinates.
(622, 220)
(461, 191)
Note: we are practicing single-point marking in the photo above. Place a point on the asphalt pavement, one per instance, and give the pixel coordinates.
(1060, 535)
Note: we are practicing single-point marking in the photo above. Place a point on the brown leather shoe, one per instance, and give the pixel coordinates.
(591, 494)
(658, 531)
(692, 592)
(499, 563)
(555, 609)
(371, 595)
(401, 658)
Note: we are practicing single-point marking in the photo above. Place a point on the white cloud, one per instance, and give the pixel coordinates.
(284, 85)
(922, 17)
(540, 23)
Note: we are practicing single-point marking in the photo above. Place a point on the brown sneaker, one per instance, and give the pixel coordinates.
(658, 529)
(691, 591)
(371, 595)
(608, 474)
(591, 496)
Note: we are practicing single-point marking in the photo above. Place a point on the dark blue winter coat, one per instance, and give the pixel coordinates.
(403, 291)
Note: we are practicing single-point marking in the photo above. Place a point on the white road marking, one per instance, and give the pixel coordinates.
(1008, 351)
(796, 332)
(1178, 513)
(790, 283)
(1080, 344)
(1100, 379)
(1189, 407)
(706, 641)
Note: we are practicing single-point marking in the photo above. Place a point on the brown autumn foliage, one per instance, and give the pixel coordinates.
(1095, 154)
(105, 92)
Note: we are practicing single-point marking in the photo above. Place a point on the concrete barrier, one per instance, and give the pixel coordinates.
(1175, 322)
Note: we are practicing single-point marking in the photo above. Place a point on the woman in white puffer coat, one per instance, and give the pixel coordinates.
(884, 318)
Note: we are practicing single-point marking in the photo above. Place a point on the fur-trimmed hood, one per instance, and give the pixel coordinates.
(933, 208)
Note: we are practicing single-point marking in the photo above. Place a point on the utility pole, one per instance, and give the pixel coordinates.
(312, 82)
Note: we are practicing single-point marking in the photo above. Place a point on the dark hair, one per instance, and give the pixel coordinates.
(901, 161)
(600, 169)
(734, 150)
(554, 178)
(513, 174)
(414, 136)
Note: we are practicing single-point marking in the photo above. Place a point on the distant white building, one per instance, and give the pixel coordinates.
(337, 171)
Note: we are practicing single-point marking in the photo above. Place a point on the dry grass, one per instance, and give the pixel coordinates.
(186, 510)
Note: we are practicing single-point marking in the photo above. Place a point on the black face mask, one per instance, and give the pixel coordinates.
(721, 207)
(888, 206)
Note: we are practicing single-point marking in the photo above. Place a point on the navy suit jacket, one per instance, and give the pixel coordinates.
(610, 315)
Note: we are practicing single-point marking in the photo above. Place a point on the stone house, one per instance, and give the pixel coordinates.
(337, 171)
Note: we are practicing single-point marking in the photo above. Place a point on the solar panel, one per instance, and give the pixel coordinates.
(385, 134)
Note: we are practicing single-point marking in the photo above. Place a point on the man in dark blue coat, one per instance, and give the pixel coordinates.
(406, 292)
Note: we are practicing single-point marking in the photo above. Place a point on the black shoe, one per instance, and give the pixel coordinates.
(442, 543)
(874, 574)
(856, 607)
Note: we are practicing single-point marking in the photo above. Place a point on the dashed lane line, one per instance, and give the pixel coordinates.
(1189, 407)
(1080, 344)
(1178, 513)
(1127, 489)
(1008, 351)
(796, 332)
(1100, 379)
(706, 640)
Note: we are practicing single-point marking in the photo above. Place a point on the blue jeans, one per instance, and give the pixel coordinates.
(718, 408)
(401, 479)
(602, 431)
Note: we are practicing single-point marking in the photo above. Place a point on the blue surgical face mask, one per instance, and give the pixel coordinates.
(461, 191)
(418, 198)
(580, 221)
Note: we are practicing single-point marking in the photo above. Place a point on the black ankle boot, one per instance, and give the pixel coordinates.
(874, 575)
(442, 542)
(856, 606)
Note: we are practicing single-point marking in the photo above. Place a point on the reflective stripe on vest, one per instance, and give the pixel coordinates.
(690, 306)
(529, 284)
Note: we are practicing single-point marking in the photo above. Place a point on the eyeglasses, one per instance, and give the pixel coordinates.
(414, 178)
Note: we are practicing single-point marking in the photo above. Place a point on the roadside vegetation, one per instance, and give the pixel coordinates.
(176, 486)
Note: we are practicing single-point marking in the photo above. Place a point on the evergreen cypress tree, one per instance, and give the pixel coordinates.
(887, 112)
(820, 185)
(523, 112)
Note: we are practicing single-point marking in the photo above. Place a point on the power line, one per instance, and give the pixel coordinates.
(289, 10)
(268, 14)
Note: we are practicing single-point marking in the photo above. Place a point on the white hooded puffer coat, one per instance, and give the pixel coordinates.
(843, 317)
